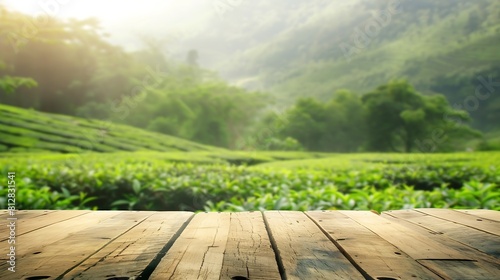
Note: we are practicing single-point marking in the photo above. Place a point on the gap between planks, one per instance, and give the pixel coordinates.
(482, 241)
(374, 256)
(486, 225)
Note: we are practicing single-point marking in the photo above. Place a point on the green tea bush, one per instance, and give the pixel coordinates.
(195, 182)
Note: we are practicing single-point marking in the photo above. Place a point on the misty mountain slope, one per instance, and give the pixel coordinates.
(422, 53)
(301, 48)
(234, 32)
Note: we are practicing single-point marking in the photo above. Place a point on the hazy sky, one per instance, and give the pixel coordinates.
(124, 19)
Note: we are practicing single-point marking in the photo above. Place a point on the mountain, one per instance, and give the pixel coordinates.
(313, 48)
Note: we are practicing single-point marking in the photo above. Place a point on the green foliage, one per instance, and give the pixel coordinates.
(306, 122)
(288, 144)
(491, 142)
(476, 92)
(398, 116)
(207, 111)
(336, 126)
(394, 117)
(32, 130)
(9, 84)
(422, 42)
(152, 181)
(83, 67)
(91, 78)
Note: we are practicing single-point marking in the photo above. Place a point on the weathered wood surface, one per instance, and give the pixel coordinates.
(119, 245)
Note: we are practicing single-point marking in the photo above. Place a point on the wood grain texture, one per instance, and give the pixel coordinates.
(489, 226)
(484, 214)
(374, 255)
(56, 249)
(412, 243)
(305, 251)
(21, 217)
(248, 250)
(26, 213)
(462, 270)
(480, 240)
(130, 254)
(199, 252)
(115, 245)
(33, 220)
(472, 259)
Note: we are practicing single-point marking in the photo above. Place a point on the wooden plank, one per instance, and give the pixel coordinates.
(249, 253)
(122, 244)
(35, 241)
(480, 240)
(20, 215)
(56, 249)
(454, 269)
(412, 243)
(304, 250)
(464, 219)
(199, 252)
(26, 213)
(33, 220)
(128, 256)
(474, 264)
(483, 213)
(375, 256)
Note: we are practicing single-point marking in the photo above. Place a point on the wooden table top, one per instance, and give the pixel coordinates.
(119, 245)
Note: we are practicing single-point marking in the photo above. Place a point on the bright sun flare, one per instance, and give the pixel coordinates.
(116, 12)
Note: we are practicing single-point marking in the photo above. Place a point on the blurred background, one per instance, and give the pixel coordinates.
(232, 81)
(293, 62)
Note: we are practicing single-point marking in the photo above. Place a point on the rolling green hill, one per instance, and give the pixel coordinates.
(34, 133)
(24, 130)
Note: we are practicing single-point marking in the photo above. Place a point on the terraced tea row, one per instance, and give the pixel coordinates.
(199, 181)
(31, 131)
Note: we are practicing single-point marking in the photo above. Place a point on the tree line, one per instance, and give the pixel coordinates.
(392, 118)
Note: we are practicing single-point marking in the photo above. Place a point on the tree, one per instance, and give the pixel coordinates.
(71, 61)
(398, 118)
(307, 123)
(334, 126)
(346, 124)
(205, 110)
(9, 84)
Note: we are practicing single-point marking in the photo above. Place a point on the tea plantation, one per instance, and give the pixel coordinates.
(207, 181)
(63, 162)
(24, 130)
